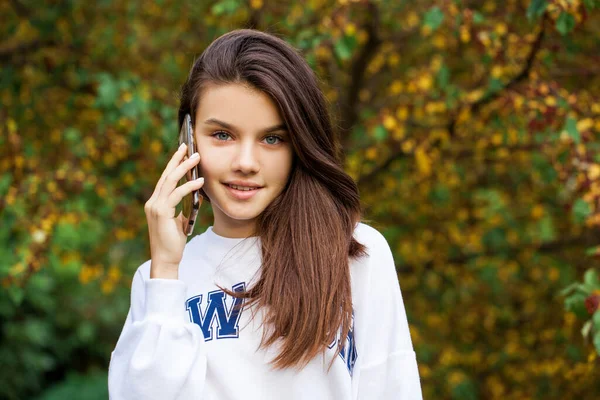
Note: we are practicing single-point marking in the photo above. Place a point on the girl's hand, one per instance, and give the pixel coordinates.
(167, 238)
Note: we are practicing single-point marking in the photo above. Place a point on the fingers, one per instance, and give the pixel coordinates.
(172, 180)
(172, 164)
(178, 194)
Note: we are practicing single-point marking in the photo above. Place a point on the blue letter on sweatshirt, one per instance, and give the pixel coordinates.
(227, 319)
(348, 353)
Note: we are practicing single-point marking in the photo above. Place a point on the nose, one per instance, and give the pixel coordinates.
(246, 158)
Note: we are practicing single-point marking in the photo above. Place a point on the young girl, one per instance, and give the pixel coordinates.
(287, 295)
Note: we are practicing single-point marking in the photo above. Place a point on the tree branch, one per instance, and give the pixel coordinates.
(348, 103)
(535, 48)
(475, 107)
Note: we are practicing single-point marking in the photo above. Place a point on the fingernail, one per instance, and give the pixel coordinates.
(201, 179)
(195, 155)
(181, 146)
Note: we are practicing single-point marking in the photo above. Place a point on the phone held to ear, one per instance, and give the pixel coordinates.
(191, 202)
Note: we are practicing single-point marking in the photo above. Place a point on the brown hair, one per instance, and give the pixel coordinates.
(306, 232)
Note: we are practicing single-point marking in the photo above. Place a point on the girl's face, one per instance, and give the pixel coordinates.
(245, 155)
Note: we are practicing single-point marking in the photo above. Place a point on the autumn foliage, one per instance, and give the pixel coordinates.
(472, 128)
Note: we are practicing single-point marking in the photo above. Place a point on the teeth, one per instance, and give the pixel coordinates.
(244, 188)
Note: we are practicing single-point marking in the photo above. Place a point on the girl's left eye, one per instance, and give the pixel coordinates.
(273, 139)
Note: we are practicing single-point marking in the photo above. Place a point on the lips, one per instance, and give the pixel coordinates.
(244, 188)
(241, 192)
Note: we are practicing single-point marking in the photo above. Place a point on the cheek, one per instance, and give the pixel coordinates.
(210, 165)
(280, 168)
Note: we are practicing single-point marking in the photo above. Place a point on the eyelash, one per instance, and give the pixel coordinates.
(215, 135)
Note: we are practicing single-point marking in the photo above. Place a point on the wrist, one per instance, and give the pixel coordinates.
(163, 271)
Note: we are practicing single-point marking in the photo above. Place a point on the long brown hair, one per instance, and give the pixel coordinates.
(306, 232)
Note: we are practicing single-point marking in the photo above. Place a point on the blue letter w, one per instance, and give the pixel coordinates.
(227, 319)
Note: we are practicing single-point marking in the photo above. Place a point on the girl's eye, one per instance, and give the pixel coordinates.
(272, 139)
(221, 135)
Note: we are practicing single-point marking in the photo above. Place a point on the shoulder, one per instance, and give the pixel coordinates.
(371, 238)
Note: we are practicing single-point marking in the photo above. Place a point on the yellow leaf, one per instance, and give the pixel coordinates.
(155, 146)
(371, 153)
(465, 35)
(393, 59)
(402, 113)
(594, 172)
(439, 41)
(389, 122)
(423, 161)
(12, 125)
(518, 102)
(256, 4)
(425, 82)
(396, 87)
(399, 132)
(550, 101)
(497, 71)
(412, 20)
(501, 29)
(537, 211)
(497, 138)
(349, 29)
(407, 146)
(585, 124)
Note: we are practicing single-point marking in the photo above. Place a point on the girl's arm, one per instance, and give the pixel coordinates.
(159, 354)
(389, 366)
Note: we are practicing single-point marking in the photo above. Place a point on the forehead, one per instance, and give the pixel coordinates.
(239, 105)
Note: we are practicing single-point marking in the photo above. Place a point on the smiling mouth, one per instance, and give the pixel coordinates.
(243, 188)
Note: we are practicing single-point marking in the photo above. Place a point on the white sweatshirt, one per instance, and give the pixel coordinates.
(182, 340)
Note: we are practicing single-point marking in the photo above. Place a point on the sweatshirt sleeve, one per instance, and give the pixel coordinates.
(389, 368)
(159, 355)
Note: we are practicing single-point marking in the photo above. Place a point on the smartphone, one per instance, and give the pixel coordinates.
(191, 202)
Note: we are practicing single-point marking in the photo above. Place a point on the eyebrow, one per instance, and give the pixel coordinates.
(225, 125)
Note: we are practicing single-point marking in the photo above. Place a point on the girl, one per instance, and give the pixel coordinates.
(287, 295)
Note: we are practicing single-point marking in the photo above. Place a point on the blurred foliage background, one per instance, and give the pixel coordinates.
(472, 128)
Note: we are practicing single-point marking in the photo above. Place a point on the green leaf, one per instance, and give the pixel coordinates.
(478, 18)
(562, 103)
(5, 182)
(536, 9)
(225, 7)
(591, 279)
(565, 23)
(465, 390)
(380, 133)
(108, 90)
(596, 320)
(572, 131)
(344, 47)
(592, 251)
(443, 77)
(16, 294)
(591, 4)
(434, 18)
(581, 210)
(585, 330)
(576, 304)
(546, 227)
(597, 341)
(570, 288)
